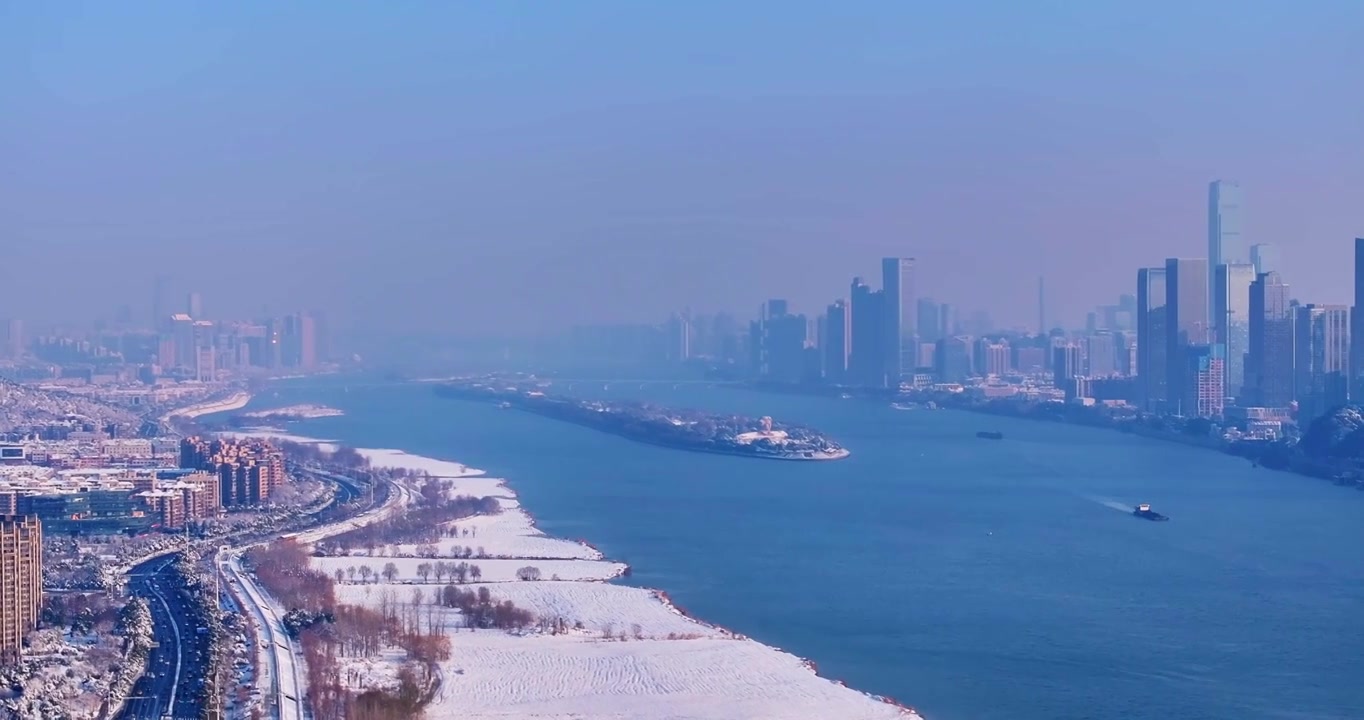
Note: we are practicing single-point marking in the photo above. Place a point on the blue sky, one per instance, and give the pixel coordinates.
(474, 167)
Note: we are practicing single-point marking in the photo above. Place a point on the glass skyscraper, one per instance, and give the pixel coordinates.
(1226, 239)
(1231, 321)
(901, 318)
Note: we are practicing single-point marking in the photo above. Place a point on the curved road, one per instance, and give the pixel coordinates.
(178, 657)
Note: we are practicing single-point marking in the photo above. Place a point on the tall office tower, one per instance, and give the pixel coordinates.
(1186, 302)
(194, 305)
(298, 341)
(1357, 325)
(1152, 348)
(929, 318)
(1269, 360)
(21, 581)
(1231, 321)
(1321, 359)
(947, 320)
(14, 338)
(952, 359)
(835, 342)
(866, 356)
(1041, 305)
(204, 363)
(784, 340)
(679, 331)
(1065, 364)
(1226, 241)
(901, 317)
(1265, 258)
(183, 343)
(1101, 355)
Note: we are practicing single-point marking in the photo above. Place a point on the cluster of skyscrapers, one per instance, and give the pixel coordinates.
(181, 343)
(191, 346)
(1223, 331)
(872, 339)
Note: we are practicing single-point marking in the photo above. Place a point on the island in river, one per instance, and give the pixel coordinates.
(682, 429)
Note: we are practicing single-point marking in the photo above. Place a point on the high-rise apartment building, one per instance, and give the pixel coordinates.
(1152, 348)
(194, 305)
(248, 471)
(1269, 358)
(901, 316)
(1231, 321)
(1226, 238)
(1186, 304)
(996, 358)
(1265, 258)
(21, 581)
(836, 341)
(1204, 384)
(1100, 355)
(1321, 359)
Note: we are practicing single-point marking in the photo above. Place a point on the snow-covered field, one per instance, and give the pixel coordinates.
(628, 654)
(296, 411)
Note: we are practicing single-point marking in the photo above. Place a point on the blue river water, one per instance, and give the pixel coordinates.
(971, 579)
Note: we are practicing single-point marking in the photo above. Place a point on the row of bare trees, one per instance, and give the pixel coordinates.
(461, 572)
(421, 524)
(345, 630)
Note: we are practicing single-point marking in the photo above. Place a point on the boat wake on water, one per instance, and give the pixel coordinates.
(1110, 502)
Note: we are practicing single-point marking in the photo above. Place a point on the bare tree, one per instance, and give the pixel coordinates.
(365, 572)
(528, 573)
(350, 572)
(424, 570)
(390, 571)
(475, 572)
(440, 569)
(340, 575)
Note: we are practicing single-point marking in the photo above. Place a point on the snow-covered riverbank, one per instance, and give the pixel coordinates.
(235, 401)
(628, 651)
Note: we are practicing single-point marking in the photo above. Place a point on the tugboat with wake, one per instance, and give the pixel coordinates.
(1145, 512)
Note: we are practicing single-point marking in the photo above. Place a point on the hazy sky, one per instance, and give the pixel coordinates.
(472, 166)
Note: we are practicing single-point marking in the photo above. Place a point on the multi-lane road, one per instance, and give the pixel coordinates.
(178, 660)
(176, 667)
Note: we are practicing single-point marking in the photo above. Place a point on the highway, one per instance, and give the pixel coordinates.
(176, 664)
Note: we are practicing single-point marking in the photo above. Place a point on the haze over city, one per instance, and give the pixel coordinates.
(496, 170)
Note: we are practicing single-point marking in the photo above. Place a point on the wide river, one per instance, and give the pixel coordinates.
(972, 579)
